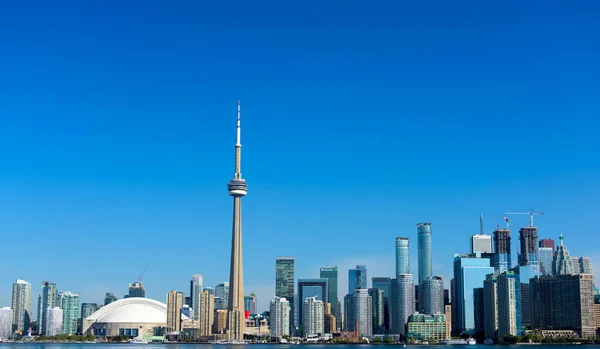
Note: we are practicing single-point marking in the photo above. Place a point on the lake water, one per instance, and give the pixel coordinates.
(258, 346)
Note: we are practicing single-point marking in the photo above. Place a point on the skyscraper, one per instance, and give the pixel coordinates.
(6, 318)
(195, 291)
(88, 309)
(310, 288)
(549, 243)
(502, 260)
(284, 284)
(377, 306)
(54, 321)
(109, 298)
(313, 316)
(331, 274)
(279, 317)
(385, 284)
(431, 298)
(585, 265)
(206, 312)
(481, 243)
(174, 305)
(21, 301)
(359, 311)
(69, 303)
(222, 293)
(402, 256)
(357, 278)
(237, 188)
(490, 298)
(509, 309)
(469, 274)
(546, 256)
(136, 289)
(562, 263)
(330, 322)
(403, 302)
(47, 299)
(424, 238)
(529, 247)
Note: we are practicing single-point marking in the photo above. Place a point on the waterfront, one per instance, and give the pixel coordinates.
(224, 346)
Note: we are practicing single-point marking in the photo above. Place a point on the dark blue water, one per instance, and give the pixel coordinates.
(260, 346)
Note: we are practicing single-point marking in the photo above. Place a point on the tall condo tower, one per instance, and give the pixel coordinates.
(402, 256)
(424, 233)
(237, 188)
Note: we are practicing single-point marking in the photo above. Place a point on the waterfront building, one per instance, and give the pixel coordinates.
(88, 309)
(284, 284)
(431, 328)
(424, 242)
(562, 263)
(47, 299)
(385, 284)
(279, 317)
(469, 274)
(250, 303)
(509, 309)
(597, 316)
(502, 258)
(448, 313)
(358, 308)
(490, 298)
(546, 257)
(109, 298)
(431, 297)
(195, 291)
(453, 306)
(220, 324)
(403, 302)
(21, 301)
(357, 278)
(402, 256)
(377, 306)
(525, 274)
(54, 321)
(331, 274)
(317, 288)
(330, 322)
(481, 243)
(6, 320)
(529, 255)
(564, 302)
(313, 316)
(206, 312)
(174, 306)
(69, 303)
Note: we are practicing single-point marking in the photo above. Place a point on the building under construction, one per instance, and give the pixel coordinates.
(502, 260)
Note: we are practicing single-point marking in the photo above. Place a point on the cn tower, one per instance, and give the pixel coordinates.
(237, 188)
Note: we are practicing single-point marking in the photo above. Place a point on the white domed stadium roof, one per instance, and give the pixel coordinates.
(131, 310)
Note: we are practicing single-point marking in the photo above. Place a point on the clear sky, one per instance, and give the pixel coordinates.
(360, 119)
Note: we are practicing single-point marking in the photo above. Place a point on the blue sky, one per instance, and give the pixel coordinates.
(360, 119)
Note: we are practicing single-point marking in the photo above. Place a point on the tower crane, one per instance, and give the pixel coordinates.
(531, 213)
(507, 221)
(141, 276)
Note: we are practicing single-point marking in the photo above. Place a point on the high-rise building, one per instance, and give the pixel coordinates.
(284, 284)
(222, 292)
(54, 321)
(187, 310)
(136, 289)
(88, 309)
(525, 273)
(279, 317)
(427, 327)
(21, 301)
(509, 299)
(330, 322)
(220, 303)
(313, 316)
(331, 274)
(431, 298)
(402, 256)
(385, 284)
(377, 306)
(585, 265)
(424, 239)
(47, 299)
(357, 278)
(220, 324)
(403, 302)
(359, 311)
(195, 291)
(210, 290)
(237, 188)
(548, 243)
(546, 256)
(250, 303)
(6, 319)
(562, 263)
(206, 312)
(109, 298)
(310, 288)
(576, 265)
(564, 302)
(529, 255)
(453, 306)
(174, 305)
(597, 316)
(490, 298)
(469, 274)
(69, 303)
(481, 243)
(478, 309)
(502, 258)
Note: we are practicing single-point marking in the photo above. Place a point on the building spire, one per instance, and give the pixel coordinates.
(238, 148)
(238, 144)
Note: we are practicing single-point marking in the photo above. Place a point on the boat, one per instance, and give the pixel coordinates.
(469, 341)
(138, 340)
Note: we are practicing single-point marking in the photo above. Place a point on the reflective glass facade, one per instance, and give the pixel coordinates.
(469, 274)
(331, 274)
(402, 256)
(424, 236)
(357, 278)
(310, 288)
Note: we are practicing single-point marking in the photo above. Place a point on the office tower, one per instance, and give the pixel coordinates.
(210, 290)
(250, 303)
(509, 299)
(109, 298)
(47, 299)
(525, 273)
(585, 265)
(546, 256)
(358, 310)
(54, 321)
(402, 256)
(237, 188)
(88, 309)
(548, 243)
(284, 284)
(377, 306)
(453, 307)
(187, 301)
(220, 324)
(529, 247)
(597, 316)
(331, 274)
(6, 319)
(562, 263)
(136, 289)
(403, 302)
(385, 284)
(478, 309)
(481, 243)
(310, 288)
(330, 321)
(576, 265)
(279, 317)
(564, 302)
(502, 260)
(446, 296)
(195, 291)
(21, 300)
(490, 298)
(357, 278)
(431, 299)
(427, 327)
(174, 305)
(424, 239)
(206, 312)
(220, 303)
(469, 273)
(69, 303)
(222, 292)
(312, 312)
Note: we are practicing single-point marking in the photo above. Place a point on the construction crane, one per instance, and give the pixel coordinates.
(530, 213)
(507, 222)
(141, 276)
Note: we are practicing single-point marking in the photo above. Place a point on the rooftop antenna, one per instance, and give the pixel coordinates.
(481, 224)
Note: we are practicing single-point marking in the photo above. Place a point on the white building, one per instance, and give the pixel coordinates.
(481, 243)
(279, 321)
(313, 322)
(54, 321)
(6, 318)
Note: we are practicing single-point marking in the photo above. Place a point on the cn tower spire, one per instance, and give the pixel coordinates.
(238, 148)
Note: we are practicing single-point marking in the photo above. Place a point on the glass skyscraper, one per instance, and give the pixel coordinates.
(546, 256)
(403, 302)
(402, 256)
(310, 288)
(377, 300)
(469, 274)
(359, 310)
(69, 303)
(195, 291)
(331, 274)
(431, 295)
(357, 278)
(385, 284)
(424, 239)
(47, 299)
(284, 285)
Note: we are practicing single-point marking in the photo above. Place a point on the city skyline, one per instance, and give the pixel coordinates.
(111, 149)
